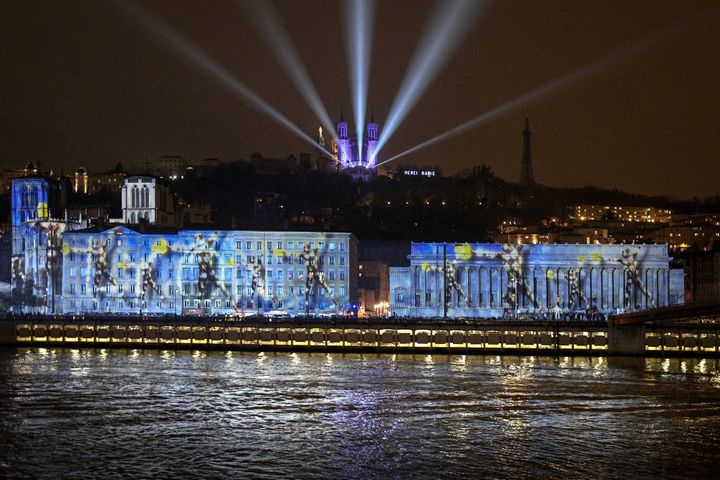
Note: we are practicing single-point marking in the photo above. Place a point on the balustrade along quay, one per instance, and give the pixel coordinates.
(406, 335)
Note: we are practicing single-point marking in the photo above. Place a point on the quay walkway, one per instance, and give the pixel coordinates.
(521, 337)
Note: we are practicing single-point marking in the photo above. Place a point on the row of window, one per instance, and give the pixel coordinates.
(192, 289)
(247, 245)
(226, 274)
(190, 258)
(84, 306)
(271, 245)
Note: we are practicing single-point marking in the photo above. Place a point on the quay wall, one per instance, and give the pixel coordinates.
(476, 337)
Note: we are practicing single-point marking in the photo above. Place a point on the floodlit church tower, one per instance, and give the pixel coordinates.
(526, 170)
(372, 140)
(350, 148)
(344, 150)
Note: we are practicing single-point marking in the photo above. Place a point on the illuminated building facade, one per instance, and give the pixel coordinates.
(204, 272)
(37, 230)
(495, 280)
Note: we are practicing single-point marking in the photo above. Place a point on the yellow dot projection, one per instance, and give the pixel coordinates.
(161, 248)
(231, 261)
(550, 274)
(464, 251)
(425, 267)
(581, 258)
(278, 252)
(66, 248)
(596, 257)
(122, 264)
(42, 210)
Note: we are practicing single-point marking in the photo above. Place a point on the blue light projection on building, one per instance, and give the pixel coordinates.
(496, 280)
(205, 272)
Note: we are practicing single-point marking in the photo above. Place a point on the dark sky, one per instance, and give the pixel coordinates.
(82, 84)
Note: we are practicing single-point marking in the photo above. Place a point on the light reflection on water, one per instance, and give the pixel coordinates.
(133, 413)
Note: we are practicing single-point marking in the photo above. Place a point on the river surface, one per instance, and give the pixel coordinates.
(93, 413)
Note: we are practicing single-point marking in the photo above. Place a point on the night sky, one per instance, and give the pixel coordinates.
(83, 84)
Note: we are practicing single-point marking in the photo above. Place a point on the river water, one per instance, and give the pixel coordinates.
(93, 413)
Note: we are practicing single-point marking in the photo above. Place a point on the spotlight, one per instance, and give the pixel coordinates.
(552, 86)
(359, 19)
(207, 65)
(268, 24)
(445, 30)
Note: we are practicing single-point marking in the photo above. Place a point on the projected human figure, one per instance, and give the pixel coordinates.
(451, 284)
(99, 252)
(149, 285)
(512, 261)
(629, 262)
(575, 294)
(18, 275)
(206, 259)
(313, 275)
(258, 280)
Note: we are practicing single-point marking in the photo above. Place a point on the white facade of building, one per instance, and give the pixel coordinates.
(144, 198)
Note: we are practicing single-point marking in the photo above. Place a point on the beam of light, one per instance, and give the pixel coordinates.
(553, 86)
(269, 26)
(207, 65)
(448, 25)
(359, 18)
